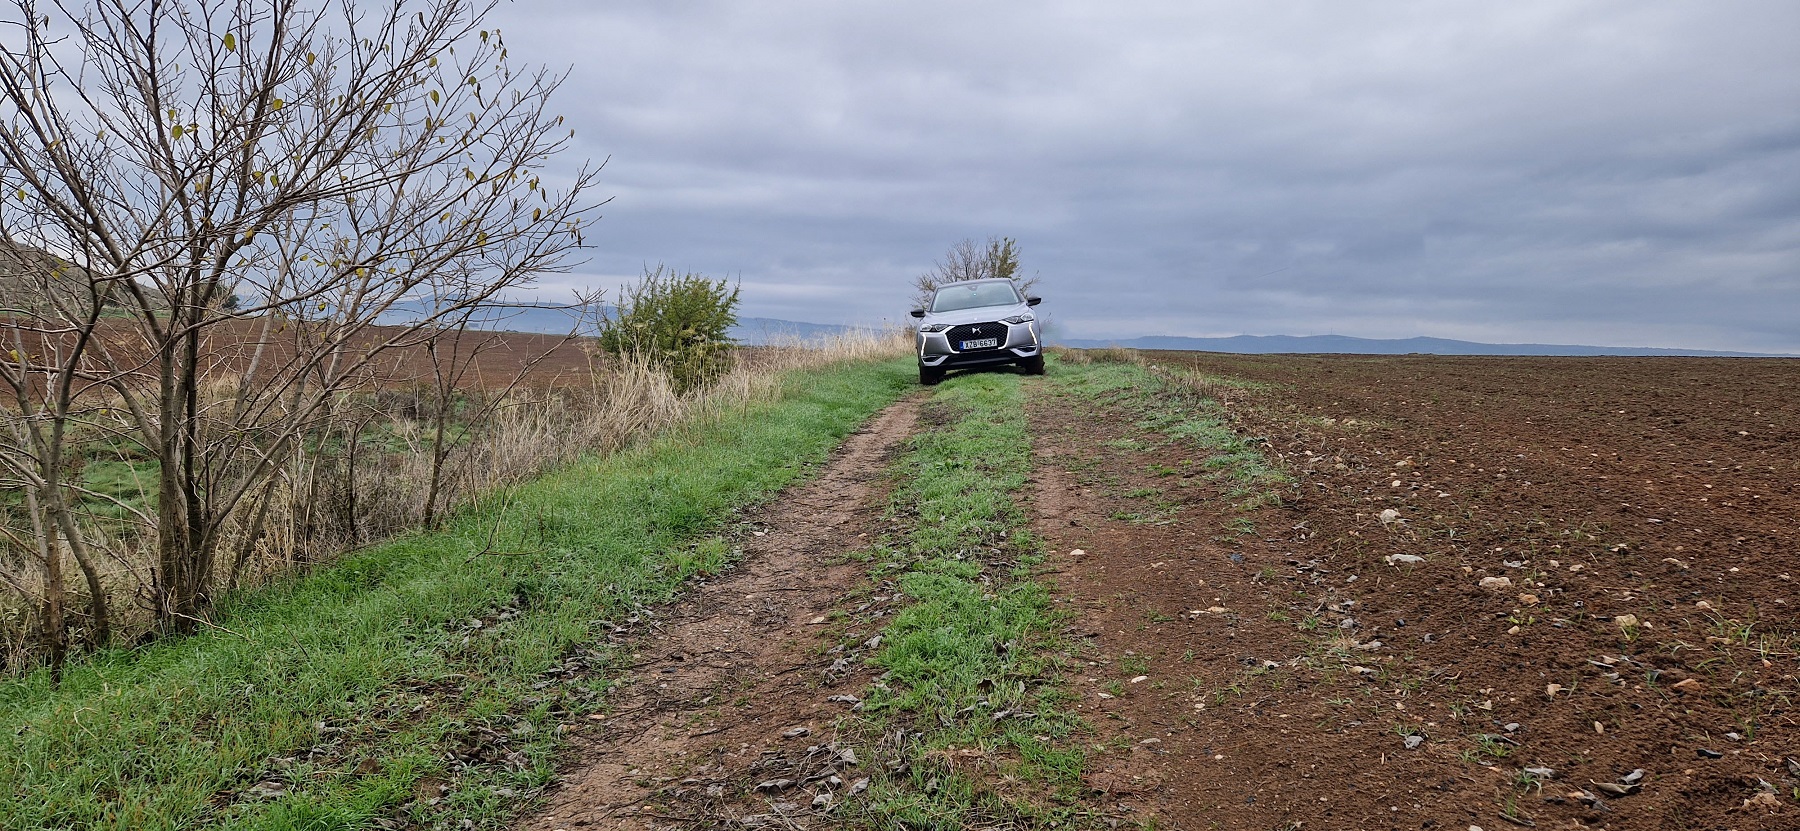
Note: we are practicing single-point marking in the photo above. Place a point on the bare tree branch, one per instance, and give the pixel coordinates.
(216, 218)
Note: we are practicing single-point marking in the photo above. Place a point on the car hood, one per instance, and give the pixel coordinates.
(979, 314)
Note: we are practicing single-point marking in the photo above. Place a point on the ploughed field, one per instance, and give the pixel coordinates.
(1503, 592)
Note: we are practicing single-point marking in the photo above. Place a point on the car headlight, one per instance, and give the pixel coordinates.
(1021, 318)
(934, 327)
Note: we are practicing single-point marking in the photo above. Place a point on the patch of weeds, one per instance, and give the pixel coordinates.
(1484, 748)
(1509, 808)
(1184, 409)
(967, 658)
(1144, 517)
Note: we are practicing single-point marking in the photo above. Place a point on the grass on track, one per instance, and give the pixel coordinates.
(424, 682)
(986, 734)
(968, 657)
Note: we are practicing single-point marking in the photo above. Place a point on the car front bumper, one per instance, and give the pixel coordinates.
(942, 350)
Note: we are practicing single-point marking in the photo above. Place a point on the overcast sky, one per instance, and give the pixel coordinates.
(1615, 173)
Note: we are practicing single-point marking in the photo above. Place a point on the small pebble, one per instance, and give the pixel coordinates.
(1708, 754)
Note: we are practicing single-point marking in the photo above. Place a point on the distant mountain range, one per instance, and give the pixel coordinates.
(555, 320)
(762, 330)
(1341, 344)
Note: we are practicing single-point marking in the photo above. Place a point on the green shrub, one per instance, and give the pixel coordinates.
(677, 323)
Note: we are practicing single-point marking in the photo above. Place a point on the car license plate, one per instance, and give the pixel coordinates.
(984, 343)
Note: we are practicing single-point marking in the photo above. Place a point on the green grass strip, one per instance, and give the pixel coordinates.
(408, 683)
(1178, 407)
(967, 660)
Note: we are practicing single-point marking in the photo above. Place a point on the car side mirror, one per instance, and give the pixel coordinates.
(1033, 301)
(918, 312)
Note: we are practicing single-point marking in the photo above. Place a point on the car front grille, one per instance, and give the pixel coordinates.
(976, 331)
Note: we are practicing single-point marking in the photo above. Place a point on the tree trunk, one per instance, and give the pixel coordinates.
(182, 541)
(53, 631)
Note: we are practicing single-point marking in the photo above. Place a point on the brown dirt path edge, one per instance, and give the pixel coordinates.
(1168, 755)
(738, 674)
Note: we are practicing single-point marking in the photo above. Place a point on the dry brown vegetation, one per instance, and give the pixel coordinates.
(416, 439)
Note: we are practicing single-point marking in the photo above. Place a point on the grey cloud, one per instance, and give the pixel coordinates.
(1609, 171)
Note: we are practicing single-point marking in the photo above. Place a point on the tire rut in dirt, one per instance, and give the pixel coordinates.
(729, 687)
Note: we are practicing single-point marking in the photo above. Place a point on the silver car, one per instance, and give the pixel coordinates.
(978, 323)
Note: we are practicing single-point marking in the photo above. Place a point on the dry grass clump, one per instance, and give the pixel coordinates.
(1107, 355)
(388, 459)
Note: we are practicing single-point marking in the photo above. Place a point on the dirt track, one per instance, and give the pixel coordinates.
(1637, 639)
(731, 685)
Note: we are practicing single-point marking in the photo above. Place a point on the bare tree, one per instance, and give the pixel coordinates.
(970, 260)
(354, 176)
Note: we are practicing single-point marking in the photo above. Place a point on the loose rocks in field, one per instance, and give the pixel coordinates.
(1495, 584)
(1404, 559)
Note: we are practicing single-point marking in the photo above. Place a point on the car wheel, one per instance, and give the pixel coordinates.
(929, 376)
(1033, 365)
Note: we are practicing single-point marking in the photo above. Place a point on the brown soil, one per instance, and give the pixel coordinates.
(1269, 668)
(1284, 669)
(731, 686)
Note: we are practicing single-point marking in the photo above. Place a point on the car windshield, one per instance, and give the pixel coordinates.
(974, 295)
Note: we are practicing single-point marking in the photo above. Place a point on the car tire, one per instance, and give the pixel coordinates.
(928, 376)
(1033, 365)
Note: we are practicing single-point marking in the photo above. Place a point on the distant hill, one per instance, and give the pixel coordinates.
(757, 331)
(1342, 344)
(26, 272)
(553, 320)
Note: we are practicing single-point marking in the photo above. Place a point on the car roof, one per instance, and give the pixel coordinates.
(942, 286)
